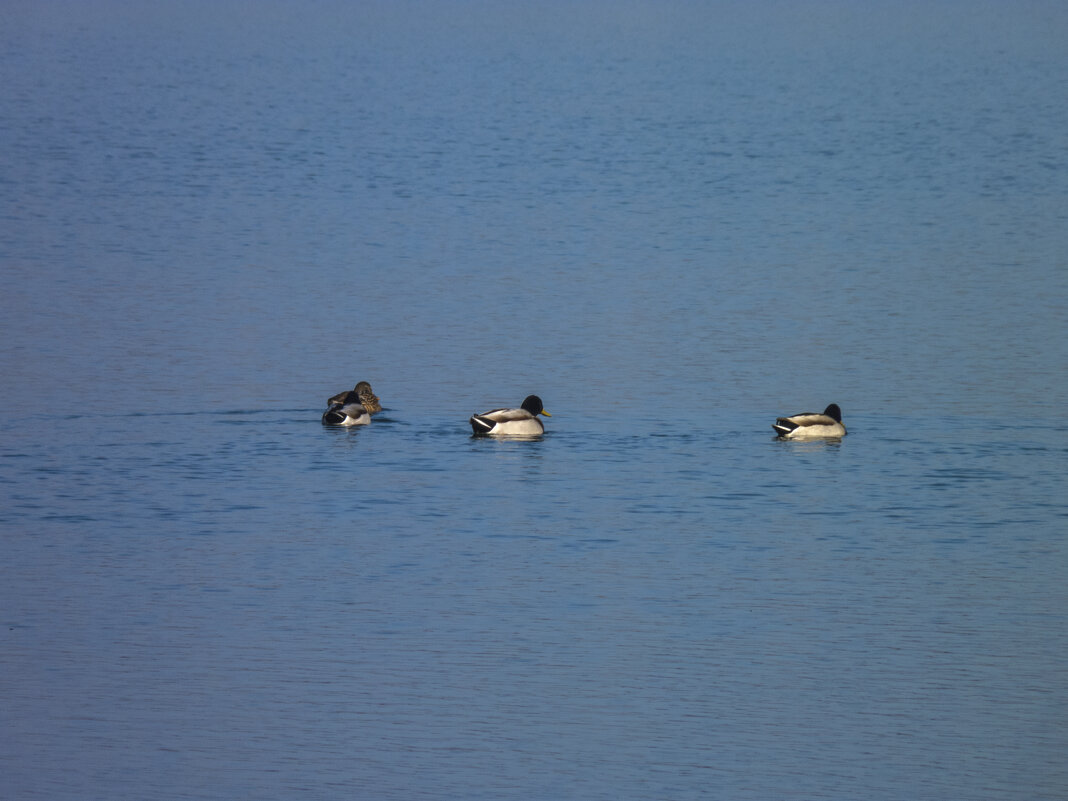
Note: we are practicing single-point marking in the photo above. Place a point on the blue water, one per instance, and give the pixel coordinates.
(674, 222)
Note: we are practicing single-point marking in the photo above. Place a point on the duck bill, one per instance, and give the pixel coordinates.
(546, 413)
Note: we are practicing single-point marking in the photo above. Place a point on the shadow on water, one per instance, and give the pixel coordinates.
(808, 445)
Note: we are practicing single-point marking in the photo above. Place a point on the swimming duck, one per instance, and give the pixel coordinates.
(349, 412)
(368, 399)
(809, 425)
(521, 422)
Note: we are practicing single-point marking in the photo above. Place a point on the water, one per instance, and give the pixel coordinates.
(673, 223)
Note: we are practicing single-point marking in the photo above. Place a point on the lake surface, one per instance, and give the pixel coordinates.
(674, 222)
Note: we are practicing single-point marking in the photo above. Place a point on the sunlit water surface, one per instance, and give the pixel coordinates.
(673, 222)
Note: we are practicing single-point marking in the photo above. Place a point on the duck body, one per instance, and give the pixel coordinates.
(811, 425)
(349, 412)
(521, 422)
(367, 398)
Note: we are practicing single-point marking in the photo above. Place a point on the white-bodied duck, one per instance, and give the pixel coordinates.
(521, 422)
(348, 412)
(811, 425)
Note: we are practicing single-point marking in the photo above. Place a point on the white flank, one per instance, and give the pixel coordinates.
(531, 427)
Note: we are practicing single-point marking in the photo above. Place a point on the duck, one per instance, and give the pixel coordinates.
(368, 399)
(348, 412)
(521, 422)
(810, 425)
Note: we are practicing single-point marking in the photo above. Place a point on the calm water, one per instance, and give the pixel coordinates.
(671, 221)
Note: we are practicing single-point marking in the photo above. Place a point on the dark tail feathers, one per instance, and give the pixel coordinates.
(333, 416)
(480, 425)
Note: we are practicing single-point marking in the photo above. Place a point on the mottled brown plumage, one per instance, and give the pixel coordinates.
(368, 399)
